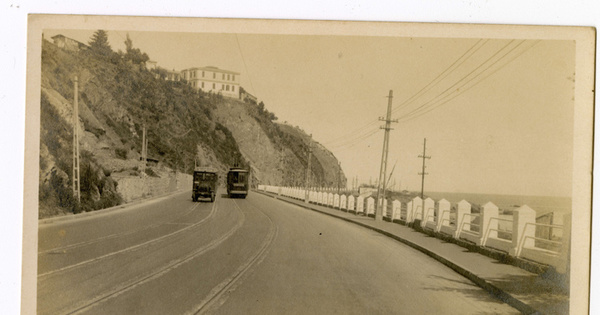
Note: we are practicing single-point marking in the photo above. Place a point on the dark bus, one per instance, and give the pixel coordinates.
(204, 184)
(237, 182)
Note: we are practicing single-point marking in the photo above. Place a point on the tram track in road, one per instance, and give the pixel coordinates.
(218, 294)
(62, 249)
(124, 287)
(45, 275)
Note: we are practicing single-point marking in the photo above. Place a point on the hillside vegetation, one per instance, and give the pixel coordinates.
(185, 127)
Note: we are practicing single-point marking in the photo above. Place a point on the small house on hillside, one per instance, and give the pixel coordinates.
(68, 43)
(173, 75)
(247, 97)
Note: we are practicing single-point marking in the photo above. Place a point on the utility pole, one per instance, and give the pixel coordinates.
(423, 156)
(339, 175)
(307, 183)
(144, 148)
(76, 184)
(384, 156)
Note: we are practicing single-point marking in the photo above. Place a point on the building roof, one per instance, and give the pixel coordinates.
(63, 36)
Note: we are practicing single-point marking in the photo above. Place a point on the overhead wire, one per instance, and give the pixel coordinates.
(446, 71)
(426, 88)
(460, 90)
(244, 60)
(450, 88)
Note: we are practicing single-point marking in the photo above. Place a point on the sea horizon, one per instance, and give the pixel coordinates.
(541, 204)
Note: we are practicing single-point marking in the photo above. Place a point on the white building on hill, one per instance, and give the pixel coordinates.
(213, 79)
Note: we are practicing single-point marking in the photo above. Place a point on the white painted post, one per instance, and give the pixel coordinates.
(396, 209)
(428, 211)
(463, 218)
(489, 223)
(330, 200)
(370, 205)
(417, 208)
(409, 212)
(351, 203)
(360, 204)
(443, 217)
(336, 201)
(523, 229)
(563, 265)
(343, 202)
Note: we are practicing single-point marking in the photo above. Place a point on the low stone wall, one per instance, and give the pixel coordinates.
(132, 188)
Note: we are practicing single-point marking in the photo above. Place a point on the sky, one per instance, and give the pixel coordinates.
(497, 113)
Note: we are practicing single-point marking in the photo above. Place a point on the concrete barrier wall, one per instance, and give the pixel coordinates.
(487, 229)
(133, 188)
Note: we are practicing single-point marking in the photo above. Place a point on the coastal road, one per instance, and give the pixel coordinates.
(239, 256)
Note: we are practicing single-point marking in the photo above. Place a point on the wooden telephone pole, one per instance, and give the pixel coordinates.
(76, 178)
(384, 156)
(307, 182)
(423, 156)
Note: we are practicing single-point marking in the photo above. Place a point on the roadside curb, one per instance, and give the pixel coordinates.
(82, 215)
(481, 282)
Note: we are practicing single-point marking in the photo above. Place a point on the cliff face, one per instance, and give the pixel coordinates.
(117, 98)
(277, 153)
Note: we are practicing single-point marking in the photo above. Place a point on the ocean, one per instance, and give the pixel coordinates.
(541, 204)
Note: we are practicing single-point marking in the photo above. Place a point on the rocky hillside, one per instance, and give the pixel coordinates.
(185, 127)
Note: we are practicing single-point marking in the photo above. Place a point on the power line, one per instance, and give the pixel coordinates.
(245, 66)
(447, 71)
(450, 88)
(414, 113)
(354, 141)
(423, 90)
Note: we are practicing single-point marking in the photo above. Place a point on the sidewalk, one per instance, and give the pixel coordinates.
(528, 292)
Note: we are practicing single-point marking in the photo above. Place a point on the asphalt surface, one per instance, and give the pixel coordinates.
(240, 256)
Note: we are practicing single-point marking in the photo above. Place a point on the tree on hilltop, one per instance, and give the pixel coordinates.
(99, 43)
(134, 54)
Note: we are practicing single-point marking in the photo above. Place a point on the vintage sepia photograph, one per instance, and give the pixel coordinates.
(250, 166)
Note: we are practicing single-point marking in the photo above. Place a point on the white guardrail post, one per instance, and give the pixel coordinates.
(463, 211)
(488, 215)
(443, 214)
(564, 261)
(523, 230)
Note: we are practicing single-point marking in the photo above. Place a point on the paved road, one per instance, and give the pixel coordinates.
(240, 256)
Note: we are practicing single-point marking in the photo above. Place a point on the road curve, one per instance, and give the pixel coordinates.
(240, 256)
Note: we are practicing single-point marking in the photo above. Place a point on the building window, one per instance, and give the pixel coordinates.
(228, 78)
(203, 74)
(233, 88)
(223, 78)
(213, 86)
(202, 84)
(227, 89)
(214, 75)
(233, 77)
